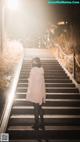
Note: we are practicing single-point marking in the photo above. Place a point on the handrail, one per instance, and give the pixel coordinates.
(70, 56)
(70, 76)
(77, 62)
(9, 101)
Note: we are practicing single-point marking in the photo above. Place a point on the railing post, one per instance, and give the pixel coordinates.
(74, 66)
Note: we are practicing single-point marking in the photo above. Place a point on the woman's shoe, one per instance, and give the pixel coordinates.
(41, 127)
(35, 126)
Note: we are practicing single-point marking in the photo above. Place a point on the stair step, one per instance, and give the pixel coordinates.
(57, 120)
(49, 93)
(56, 102)
(46, 71)
(57, 65)
(57, 132)
(50, 59)
(50, 85)
(56, 96)
(43, 64)
(42, 61)
(46, 67)
(57, 128)
(54, 90)
(48, 110)
(48, 77)
(44, 107)
(48, 80)
(51, 79)
(46, 74)
(55, 140)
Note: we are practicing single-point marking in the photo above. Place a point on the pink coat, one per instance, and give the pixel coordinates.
(36, 86)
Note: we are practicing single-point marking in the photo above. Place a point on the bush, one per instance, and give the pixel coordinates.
(10, 57)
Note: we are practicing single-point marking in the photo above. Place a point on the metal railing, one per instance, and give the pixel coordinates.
(10, 98)
(71, 58)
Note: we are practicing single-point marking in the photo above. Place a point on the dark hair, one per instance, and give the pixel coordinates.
(36, 62)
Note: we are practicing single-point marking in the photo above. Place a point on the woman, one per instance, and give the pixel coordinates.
(36, 91)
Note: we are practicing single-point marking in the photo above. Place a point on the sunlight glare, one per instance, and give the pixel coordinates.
(13, 4)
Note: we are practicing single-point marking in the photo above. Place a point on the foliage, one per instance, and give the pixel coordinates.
(9, 58)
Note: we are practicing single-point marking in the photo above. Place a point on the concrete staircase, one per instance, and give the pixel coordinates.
(62, 108)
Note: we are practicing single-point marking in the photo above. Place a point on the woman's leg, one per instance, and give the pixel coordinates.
(41, 113)
(36, 115)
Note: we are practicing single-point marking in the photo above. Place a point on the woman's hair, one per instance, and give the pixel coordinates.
(36, 62)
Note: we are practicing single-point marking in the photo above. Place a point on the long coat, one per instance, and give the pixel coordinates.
(36, 86)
